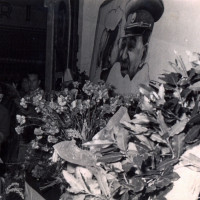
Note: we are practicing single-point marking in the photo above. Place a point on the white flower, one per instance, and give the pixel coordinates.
(74, 103)
(37, 99)
(23, 103)
(66, 91)
(52, 139)
(52, 130)
(38, 131)
(62, 101)
(140, 118)
(86, 103)
(19, 129)
(21, 119)
(37, 109)
(39, 137)
(52, 104)
(76, 84)
(35, 145)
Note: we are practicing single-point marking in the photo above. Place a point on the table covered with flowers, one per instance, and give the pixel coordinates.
(93, 144)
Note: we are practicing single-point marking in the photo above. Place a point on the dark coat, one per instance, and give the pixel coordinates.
(4, 123)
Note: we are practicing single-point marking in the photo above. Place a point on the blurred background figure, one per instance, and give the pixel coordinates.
(30, 87)
(24, 87)
(34, 84)
(4, 127)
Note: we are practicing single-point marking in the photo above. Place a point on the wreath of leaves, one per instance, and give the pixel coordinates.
(133, 156)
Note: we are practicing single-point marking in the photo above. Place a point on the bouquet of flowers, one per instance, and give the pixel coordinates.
(110, 147)
(75, 113)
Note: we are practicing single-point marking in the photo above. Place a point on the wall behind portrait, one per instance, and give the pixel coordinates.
(178, 29)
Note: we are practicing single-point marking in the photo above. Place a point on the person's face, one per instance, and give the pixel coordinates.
(34, 82)
(131, 54)
(25, 84)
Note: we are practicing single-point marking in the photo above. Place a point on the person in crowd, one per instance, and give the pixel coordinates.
(4, 125)
(24, 86)
(34, 84)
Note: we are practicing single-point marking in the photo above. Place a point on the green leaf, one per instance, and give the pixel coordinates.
(107, 132)
(135, 196)
(168, 170)
(162, 124)
(191, 160)
(195, 86)
(127, 166)
(117, 167)
(122, 137)
(179, 126)
(137, 161)
(183, 82)
(137, 183)
(178, 142)
(140, 118)
(164, 164)
(111, 157)
(98, 143)
(171, 78)
(100, 175)
(157, 138)
(175, 67)
(94, 187)
(83, 175)
(161, 92)
(178, 148)
(179, 66)
(68, 151)
(163, 182)
(78, 197)
(136, 128)
(109, 149)
(195, 109)
(125, 196)
(66, 196)
(173, 176)
(192, 134)
(115, 120)
(144, 140)
(75, 186)
(145, 90)
(151, 188)
(185, 93)
(194, 120)
(145, 104)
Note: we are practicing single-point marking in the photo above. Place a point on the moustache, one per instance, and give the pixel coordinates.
(125, 65)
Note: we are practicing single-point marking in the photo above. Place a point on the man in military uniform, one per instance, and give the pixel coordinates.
(124, 64)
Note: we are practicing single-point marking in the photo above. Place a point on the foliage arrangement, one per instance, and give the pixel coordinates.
(104, 146)
(77, 112)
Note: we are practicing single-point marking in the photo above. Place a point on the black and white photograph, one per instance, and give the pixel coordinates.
(99, 100)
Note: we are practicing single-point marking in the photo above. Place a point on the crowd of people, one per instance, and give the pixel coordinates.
(12, 145)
